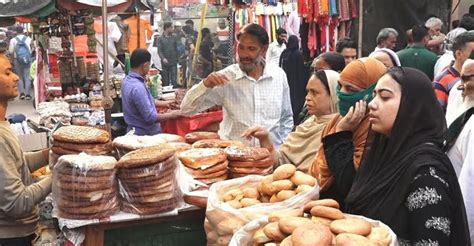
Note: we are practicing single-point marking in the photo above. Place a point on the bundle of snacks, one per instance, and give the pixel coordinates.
(283, 184)
(233, 203)
(147, 180)
(320, 222)
(196, 136)
(206, 165)
(70, 140)
(127, 143)
(217, 143)
(85, 187)
(245, 161)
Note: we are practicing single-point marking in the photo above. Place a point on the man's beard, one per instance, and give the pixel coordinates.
(280, 41)
(249, 67)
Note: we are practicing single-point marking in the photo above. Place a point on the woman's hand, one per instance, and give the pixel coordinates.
(352, 119)
(261, 134)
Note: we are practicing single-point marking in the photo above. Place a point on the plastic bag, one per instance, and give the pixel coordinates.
(244, 236)
(222, 220)
(150, 189)
(85, 187)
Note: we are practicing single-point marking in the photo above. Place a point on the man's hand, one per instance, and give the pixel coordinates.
(351, 121)
(165, 61)
(166, 104)
(261, 134)
(215, 79)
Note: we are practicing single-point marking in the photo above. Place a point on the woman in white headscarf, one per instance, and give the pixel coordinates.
(301, 145)
(387, 56)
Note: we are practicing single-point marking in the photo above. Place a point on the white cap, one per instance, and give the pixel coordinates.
(178, 23)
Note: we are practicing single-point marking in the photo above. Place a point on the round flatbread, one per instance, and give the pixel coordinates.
(202, 172)
(105, 148)
(196, 136)
(81, 134)
(202, 158)
(146, 156)
(235, 153)
(263, 163)
(216, 143)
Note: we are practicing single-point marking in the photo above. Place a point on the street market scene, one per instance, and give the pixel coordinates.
(236, 122)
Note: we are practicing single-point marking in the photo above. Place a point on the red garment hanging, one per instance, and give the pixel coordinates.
(312, 39)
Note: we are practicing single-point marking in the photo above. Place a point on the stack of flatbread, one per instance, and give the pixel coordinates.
(70, 140)
(196, 136)
(125, 144)
(216, 143)
(245, 161)
(207, 165)
(147, 180)
(85, 186)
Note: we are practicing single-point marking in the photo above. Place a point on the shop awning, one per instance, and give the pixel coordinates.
(9, 8)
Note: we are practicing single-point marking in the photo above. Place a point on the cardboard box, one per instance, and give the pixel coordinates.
(34, 141)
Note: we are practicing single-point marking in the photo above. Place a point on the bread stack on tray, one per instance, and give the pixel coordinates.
(85, 186)
(69, 140)
(125, 144)
(147, 180)
(196, 136)
(245, 161)
(208, 165)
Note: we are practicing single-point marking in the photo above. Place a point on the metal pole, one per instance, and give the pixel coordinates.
(105, 35)
(361, 27)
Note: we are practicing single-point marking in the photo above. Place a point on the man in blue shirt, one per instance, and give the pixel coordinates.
(138, 105)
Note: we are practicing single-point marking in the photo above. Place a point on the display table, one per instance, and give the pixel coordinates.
(202, 121)
(184, 228)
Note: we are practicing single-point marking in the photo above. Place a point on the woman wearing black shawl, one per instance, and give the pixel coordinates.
(406, 180)
(297, 74)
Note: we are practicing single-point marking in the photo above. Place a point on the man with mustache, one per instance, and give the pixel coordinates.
(277, 47)
(252, 92)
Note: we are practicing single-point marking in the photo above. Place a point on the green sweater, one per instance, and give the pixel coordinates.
(419, 57)
(19, 196)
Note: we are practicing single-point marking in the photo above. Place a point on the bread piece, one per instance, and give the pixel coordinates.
(274, 199)
(235, 204)
(285, 194)
(170, 138)
(134, 142)
(380, 234)
(228, 226)
(284, 171)
(179, 147)
(265, 187)
(300, 178)
(263, 163)
(94, 149)
(303, 188)
(236, 153)
(211, 170)
(351, 225)
(196, 136)
(289, 224)
(286, 242)
(216, 143)
(213, 180)
(81, 164)
(146, 156)
(81, 134)
(260, 237)
(347, 239)
(321, 220)
(277, 215)
(233, 194)
(316, 234)
(247, 202)
(280, 185)
(251, 192)
(327, 212)
(202, 158)
(272, 231)
(60, 151)
(323, 202)
(250, 170)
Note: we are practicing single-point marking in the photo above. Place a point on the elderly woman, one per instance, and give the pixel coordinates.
(387, 56)
(344, 137)
(406, 180)
(300, 146)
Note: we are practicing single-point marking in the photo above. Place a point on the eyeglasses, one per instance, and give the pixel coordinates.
(466, 78)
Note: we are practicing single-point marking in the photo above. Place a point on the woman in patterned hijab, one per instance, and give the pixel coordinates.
(405, 179)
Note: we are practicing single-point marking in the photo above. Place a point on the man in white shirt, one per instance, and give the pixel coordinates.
(277, 47)
(252, 92)
(461, 154)
(22, 64)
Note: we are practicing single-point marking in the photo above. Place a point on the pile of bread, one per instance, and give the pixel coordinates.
(208, 165)
(147, 180)
(125, 144)
(245, 161)
(85, 187)
(320, 223)
(283, 184)
(70, 140)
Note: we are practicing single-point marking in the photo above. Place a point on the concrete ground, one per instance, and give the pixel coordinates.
(23, 107)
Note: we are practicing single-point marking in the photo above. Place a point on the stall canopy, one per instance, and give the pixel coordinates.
(9, 8)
